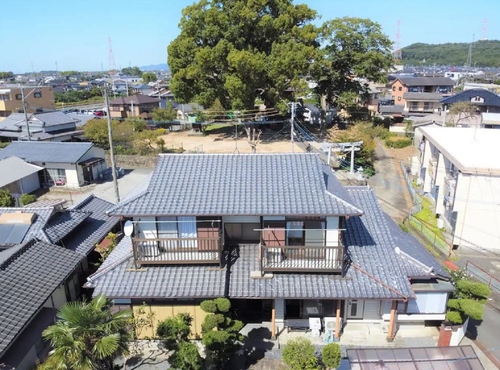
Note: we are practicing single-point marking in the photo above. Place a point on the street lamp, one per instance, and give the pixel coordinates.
(23, 96)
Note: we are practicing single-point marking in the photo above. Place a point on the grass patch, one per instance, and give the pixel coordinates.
(428, 216)
(214, 127)
(398, 142)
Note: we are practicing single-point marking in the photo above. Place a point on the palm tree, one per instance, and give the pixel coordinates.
(88, 336)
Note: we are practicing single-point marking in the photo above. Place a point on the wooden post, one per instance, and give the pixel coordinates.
(273, 321)
(337, 319)
(392, 322)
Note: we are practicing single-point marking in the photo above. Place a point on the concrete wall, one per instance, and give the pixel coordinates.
(478, 214)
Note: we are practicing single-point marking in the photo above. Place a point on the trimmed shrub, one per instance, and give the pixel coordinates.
(300, 354)
(331, 355)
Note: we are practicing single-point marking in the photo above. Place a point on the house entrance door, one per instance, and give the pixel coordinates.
(355, 309)
(87, 174)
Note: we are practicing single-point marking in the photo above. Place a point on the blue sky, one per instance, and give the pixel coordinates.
(74, 33)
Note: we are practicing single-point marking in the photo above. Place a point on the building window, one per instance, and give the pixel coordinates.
(399, 98)
(394, 88)
(19, 97)
(115, 109)
(400, 88)
(427, 106)
(5, 97)
(37, 94)
(413, 105)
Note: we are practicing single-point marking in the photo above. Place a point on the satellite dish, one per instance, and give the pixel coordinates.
(128, 228)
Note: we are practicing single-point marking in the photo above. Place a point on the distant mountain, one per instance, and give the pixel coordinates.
(485, 53)
(155, 67)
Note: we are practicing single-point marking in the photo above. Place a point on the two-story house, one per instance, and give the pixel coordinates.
(459, 169)
(485, 101)
(278, 235)
(37, 99)
(133, 106)
(420, 95)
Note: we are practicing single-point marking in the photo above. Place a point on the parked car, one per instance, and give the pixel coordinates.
(98, 113)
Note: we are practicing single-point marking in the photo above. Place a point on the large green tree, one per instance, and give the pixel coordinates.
(88, 336)
(148, 77)
(132, 71)
(238, 50)
(354, 49)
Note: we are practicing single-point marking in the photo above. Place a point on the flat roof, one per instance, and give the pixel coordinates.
(471, 150)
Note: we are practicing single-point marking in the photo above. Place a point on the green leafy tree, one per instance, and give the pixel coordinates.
(26, 199)
(174, 333)
(6, 200)
(300, 354)
(331, 355)
(148, 77)
(238, 50)
(88, 336)
(220, 333)
(6, 75)
(96, 130)
(132, 71)
(355, 47)
(467, 300)
(167, 114)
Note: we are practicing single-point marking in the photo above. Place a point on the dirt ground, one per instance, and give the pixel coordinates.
(222, 142)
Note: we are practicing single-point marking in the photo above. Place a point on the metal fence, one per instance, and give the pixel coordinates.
(417, 201)
(431, 236)
(483, 276)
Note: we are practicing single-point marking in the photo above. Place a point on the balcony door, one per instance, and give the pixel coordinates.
(355, 309)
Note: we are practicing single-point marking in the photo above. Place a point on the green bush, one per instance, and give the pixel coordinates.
(331, 355)
(4, 145)
(398, 142)
(27, 199)
(6, 200)
(299, 354)
(454, 317)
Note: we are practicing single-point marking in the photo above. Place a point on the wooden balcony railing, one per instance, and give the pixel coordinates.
(177, 251)
(302, 258)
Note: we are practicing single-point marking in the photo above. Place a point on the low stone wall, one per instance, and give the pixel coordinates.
(133, 161)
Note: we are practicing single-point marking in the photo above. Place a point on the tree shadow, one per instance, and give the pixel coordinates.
(472, 328)
(255, 346)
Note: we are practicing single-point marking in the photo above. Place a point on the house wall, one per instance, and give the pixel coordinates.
(478, 214)
(29, 360)
(397, 91)
(371, 309)
(279, 306)
(30, 183)
(161, 312)
(421, 106)
(425, 177)
(72, 174)
(439, 181)
(46, 101)
(146, 227)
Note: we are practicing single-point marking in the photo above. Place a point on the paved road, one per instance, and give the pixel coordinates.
(389, 186)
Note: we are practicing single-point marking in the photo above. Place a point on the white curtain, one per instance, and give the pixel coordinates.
(187, 229)
(167, 228)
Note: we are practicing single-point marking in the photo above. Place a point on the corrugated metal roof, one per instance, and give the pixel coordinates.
(490, 99)
(37, 151)
(14, 169)
(237, 184)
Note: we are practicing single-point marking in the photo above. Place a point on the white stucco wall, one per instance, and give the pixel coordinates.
(440, 176)
(93, 152)
(477, 203)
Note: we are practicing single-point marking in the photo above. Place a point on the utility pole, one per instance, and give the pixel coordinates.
(111, 151)
(292, 123)
(25, 113)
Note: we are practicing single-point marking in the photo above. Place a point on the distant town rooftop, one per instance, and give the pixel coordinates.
(472, 150)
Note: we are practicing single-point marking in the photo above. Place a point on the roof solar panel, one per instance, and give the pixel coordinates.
(15, 235)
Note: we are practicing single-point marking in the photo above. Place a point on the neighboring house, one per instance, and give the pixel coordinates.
(490, 120)
(311, 114)
(164, 94)
(188, 112)
(133, 106)
(18, 176)
(45, 251)
(50, 126)
(278, 235)
(68, 164)
(142, 89)
(484, 100)
(455, 76)
(420, 95)
(459, 169)
(494, 88)
(38, 99)
(387, 108)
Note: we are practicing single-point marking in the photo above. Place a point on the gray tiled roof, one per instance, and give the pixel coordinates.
(63, 223)
(28, 279)
(490, 98)
(411, 246)
(120, 279)
(42, 217)
(237, 184)
(423, 96)
(427, 81)
(94, 228)
(376, 270)
(54, 118)
(40, 151)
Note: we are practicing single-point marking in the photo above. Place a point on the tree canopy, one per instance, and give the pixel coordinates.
(7, 75)
(132, 71)
(236, 51)
(148, 77)
(485, 53)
